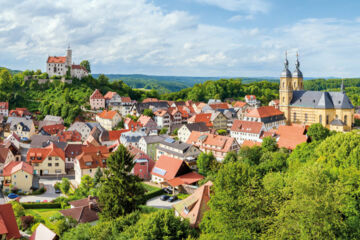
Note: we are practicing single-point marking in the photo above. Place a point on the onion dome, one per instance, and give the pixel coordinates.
(297, 73)
(286, 73)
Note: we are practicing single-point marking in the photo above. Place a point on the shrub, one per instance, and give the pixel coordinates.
(14, 190)
(19, 210)
(41, 205)
(26, 222)
(153, 194)
(39, 191)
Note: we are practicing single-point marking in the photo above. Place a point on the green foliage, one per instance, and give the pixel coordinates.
(80, 232)
(65, 185)
(86, 65)
(317, 132)
(148, 112)
(19, 210)
(163, 131)
(98, 175)
(205, 163)
(222, 132)
(175, 132)
(120, 191)
(62, 224)
(41, 205)
(269, 144)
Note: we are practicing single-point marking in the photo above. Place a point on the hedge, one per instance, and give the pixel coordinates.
(36, 205)
(153, 194)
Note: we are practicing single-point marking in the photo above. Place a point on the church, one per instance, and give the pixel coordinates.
(333, 110)
(59, 66)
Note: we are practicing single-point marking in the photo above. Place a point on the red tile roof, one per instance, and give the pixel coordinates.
(265, 111)
(116, 134)
(211, 141)
(357, 116)
(247, 126)
(8, 225)
(4, 105)
(188, 178)
(109, 95)
(239, 104)
(146, 100)
(38, 155)
(170, 165)
(201, 117)
(55, 59)
(93, 157)
(291, 136)
(160, 112)
(78, 67)
(250, 97)
(20, 112)
(143, 120)
(125, 99)
(69, 136)
(107, 114)
(219, 106)
(81, 214)
(53, 129)
(96, 95)
(248, 143)
(13, 167)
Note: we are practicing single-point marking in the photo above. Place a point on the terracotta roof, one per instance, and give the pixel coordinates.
(249, 97)
(170, 165)
(107, 114)
(265, 111)
(150, 100)
(125, 99)
(93, 157)
(276, 101)
(8, 225)
(4, 105)
(143, 120)
(13, 167)
(38, 155)
(188, 178)
(78, 67)
(96, 95)
(19, 112)
(216, 106)
(116, 134)
(357, 116)
(247, 126)
(239, 104)
(69, 136)
(81, 214)
(211, 141)
(194, 206)
(3, 154)
(73, 150)
(109, 95)
(248, 143)
(53, 129)
(55, 59)
(291, 136)
(201, 117)
(43, 233)
(160, 112)
(83, 202)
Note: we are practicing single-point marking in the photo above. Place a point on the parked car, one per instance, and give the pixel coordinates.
(167, 190)
(12, 195)
(58, 191)
(172, 198)
(164, 197)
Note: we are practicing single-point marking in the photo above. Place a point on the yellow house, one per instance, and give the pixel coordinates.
(108, 119)
(23, 127)
(219, 121)
(333, 110)
(19, 175)
(47, 161)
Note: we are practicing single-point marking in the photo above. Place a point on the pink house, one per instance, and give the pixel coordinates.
(97, 100)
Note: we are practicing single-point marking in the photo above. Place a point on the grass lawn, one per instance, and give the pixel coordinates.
(182, 196)
(150, 188)
(44, 214)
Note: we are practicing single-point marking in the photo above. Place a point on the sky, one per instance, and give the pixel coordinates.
(234, 38)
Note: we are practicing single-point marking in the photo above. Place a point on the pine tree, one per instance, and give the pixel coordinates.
(120, 191)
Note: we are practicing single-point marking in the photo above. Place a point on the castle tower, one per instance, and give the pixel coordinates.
(297, 82)
(68, 56)
(286, 90)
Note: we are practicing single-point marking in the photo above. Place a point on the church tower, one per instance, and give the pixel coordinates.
(286, 90)
(68, 57)
(297, 82)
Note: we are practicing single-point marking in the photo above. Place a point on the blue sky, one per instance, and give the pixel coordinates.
(185, 37)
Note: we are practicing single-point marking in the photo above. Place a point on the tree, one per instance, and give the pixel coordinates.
(175, 131)
(97, 176)
(204, 163)
(80, 232)
(86, 65)
(120, 191)
(148, 112)
(222, 132)
(86, 185)
(65, 185)
(317, 132)
(269, 144)
(163, 131)
(230, 157)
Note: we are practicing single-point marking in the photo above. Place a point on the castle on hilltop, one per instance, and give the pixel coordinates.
(333, 110)
(59, 66)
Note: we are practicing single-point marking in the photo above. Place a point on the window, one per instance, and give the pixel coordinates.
(283, 84)
(320, 119)
(49, 158)
(327, 119)
(345, 119)
(306, 117)
(26, 176)
(294, 116)
(49, 164)
(56, 164)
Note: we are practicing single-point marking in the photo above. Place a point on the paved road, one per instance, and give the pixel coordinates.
(48, 195)
(157, 203)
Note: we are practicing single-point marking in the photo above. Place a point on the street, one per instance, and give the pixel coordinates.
(49, 195)
(157, 203)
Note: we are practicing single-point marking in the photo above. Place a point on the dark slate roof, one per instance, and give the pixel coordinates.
(154, 138)
(337, 122)
(199, 126)
(321, 100)
(177, 145)
(140, 107)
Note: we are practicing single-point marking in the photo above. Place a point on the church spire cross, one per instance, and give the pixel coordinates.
(297, 61)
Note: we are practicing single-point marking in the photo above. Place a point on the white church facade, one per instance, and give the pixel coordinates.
(59, 66)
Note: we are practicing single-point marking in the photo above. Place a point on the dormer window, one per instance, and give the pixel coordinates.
(88, 163)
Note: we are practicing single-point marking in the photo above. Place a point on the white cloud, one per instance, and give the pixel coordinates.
(238, 18)
(253, 6)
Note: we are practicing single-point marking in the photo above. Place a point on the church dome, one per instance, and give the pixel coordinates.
(297, 73)
(286, 73)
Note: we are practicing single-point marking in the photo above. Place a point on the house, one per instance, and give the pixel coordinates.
(69, 136)
(113, 137)
(219, 105)
(176, 116)
(170, 147)
(116, 102)
(270, 116)
(83, 128)
(291, 136)
(143, 163)
(247, 130)
(219, 121)
(240, 109)
(19, 175)
(6, 156)
(8, 226)
(162, 118)
(275, 103)
(194, 206)
(138, 108)
(218, 145)
(150, 100)
(132, 138)
(185, 130)
(108, 119)
(131, 124)
(4, 109)
(174, 172)
(43, 233)
(49, 160)
(83, 211)
(89, 160)
(97, 100)
(14, 139)
(147, 122)
(52, 129)
(20, 112)
(23, 127)
(201, 117)
(71, 152)
(149, 144)
(252, 101)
